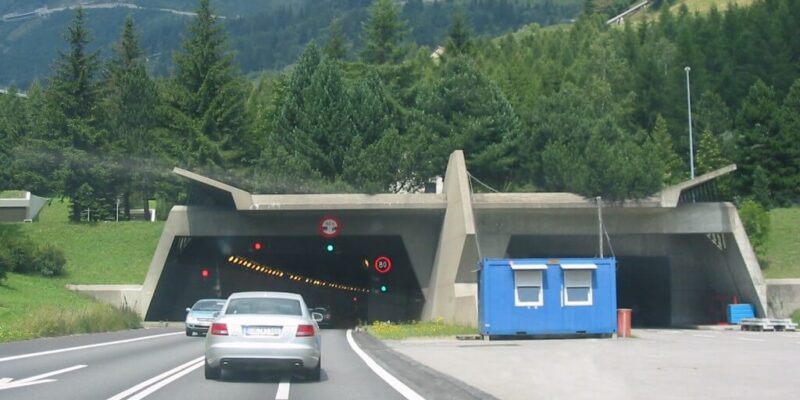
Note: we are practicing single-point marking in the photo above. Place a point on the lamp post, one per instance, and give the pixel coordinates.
(689, 107)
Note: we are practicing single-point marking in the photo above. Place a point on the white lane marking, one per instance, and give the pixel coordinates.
(8, 383)
(400, 387)
(283, 389)
(165, 382)
(88, 346)
(750, 339)
(701, 335)
(155, 379)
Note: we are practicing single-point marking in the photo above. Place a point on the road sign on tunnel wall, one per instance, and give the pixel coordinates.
(329, 227)
(383, 264)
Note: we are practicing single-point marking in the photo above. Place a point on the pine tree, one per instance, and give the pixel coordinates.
(207, 96)
(383, 34)
(131, 103)
(459, 36)
(336, 46)
(73, 97)
(755, 142)
(673, 169)
(709, 153)
(787, 179)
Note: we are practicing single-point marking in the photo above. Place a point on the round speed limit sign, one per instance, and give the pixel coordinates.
(329, 227)
(383, 264)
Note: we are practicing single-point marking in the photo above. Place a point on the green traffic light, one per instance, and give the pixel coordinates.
(384, 289)
(329, 248)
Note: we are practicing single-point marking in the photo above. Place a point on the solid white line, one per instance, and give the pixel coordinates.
(283, 389)
(89, 346)
(165, 382)
(154, 379)
(400, 387)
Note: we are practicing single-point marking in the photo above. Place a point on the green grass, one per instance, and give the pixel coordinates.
(437, 328)
(97, 253)
(12, 194)
(101, 252)
(701, 6)
(781, 255)
(796, 316)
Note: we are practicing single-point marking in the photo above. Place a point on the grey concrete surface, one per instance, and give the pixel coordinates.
(655, 364)
(783, 297)
(445, 235)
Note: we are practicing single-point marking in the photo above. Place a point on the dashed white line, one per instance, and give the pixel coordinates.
(182, 369)
(395, 383)
(702, 335)
(283, 389)
(89, 346)
(750, 339)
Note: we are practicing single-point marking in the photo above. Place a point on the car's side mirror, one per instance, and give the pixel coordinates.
(188, 309)
(317, 317)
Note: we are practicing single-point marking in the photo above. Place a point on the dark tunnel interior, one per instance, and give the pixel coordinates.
(339, 273)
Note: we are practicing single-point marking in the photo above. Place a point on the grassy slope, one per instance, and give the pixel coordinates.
(103, 252)
(106, 252)
(782, 251)
(12, 194)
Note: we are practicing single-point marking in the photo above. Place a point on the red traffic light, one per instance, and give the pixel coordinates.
(204, 273)
(257, 246)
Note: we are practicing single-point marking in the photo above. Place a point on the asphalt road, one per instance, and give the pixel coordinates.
(165, 364)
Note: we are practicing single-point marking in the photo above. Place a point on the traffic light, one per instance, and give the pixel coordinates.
(257, 246)
(204, 273)
(329, 247)
(384, 288)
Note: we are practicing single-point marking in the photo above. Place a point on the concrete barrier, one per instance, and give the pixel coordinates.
(783, 297)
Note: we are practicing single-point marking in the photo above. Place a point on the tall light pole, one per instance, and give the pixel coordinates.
(689, 107)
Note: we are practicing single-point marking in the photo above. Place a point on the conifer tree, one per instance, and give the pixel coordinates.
(459, 36)
(709, 153)
(336, 46)
(207, 96)
(673, 167)
(383, 34)
(131, 103)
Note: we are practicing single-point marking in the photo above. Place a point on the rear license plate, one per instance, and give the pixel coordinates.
(262, 330)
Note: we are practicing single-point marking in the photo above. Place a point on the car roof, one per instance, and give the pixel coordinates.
(277, 295)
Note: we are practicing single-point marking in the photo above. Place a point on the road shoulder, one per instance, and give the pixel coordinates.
(429, 383)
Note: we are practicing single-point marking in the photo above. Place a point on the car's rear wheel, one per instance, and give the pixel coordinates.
(189, 332)
(315, 374)
(212, 373)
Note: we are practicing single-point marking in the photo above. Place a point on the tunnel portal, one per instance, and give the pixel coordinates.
(339, 273)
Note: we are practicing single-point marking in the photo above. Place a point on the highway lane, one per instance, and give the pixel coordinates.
(168, 365)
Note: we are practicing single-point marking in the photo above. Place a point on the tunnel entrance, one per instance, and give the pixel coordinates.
(644, 286)
(339, 273)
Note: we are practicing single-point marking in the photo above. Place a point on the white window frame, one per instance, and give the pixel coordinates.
(569, 282)
(528, 275)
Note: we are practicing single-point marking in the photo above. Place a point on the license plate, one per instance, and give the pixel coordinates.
(262, 330)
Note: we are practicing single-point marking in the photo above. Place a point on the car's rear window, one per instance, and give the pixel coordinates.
(208, 305)
(268, 306)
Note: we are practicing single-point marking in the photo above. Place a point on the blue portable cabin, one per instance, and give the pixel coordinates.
(531, 297)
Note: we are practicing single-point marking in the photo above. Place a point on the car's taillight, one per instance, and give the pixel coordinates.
(219, 329)
(305, 330)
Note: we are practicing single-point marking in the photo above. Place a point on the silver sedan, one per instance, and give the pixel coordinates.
(264, 331)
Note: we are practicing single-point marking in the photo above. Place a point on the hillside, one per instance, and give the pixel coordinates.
(265, 35)
(694, 6)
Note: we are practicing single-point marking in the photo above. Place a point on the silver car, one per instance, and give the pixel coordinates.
(264, 331)
(200, 315)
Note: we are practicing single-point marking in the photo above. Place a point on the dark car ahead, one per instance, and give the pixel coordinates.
(327, 316)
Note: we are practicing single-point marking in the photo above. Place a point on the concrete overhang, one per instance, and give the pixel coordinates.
(671, 195)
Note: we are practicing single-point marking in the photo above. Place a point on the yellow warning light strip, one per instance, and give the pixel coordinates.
(293, 277)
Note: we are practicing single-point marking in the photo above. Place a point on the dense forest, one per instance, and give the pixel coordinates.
(264, 35)
(588, 108)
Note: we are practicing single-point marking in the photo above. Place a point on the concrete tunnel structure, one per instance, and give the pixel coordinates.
(678, 251)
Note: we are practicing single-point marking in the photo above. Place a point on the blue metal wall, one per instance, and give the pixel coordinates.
(498, 315)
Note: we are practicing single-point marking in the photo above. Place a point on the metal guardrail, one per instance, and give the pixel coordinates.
(767, 324)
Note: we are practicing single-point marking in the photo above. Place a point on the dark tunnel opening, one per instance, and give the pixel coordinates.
(339, 273)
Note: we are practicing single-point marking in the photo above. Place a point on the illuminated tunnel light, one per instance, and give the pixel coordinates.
(230, 258)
